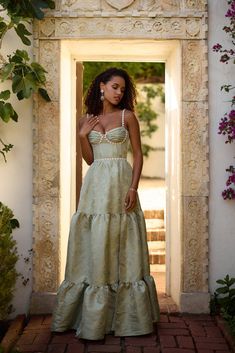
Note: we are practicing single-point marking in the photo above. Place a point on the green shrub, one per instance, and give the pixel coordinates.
(8, 259)
(223, 301)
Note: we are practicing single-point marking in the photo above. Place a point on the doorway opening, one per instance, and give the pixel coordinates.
(149, 79)
(167, 218)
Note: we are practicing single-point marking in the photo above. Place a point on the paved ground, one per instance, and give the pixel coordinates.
(173, 334)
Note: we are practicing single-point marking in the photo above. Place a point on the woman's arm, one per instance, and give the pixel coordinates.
(85, 126)
(134, 133)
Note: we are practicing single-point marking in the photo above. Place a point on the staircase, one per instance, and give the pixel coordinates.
(156, 239)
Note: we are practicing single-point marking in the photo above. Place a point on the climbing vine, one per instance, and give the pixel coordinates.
(227, 122)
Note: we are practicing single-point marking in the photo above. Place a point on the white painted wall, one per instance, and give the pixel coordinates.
(16, 177)
(221, 213)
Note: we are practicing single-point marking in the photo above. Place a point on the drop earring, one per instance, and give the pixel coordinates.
(102, 95)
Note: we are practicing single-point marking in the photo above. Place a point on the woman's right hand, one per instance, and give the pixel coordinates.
(88, 125)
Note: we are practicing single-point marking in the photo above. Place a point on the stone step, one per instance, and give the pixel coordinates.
(157, 268)
(156, 245)
(159, 234)
(154, 214)
(153, 223)
(157, 257)
(157, 252)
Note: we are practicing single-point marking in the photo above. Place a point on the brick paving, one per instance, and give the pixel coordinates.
(173, 334)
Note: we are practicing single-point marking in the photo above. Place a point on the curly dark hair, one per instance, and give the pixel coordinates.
(92, 100)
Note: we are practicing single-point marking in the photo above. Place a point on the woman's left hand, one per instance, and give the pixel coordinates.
(130, 199)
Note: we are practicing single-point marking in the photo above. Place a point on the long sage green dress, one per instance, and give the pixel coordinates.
(107, 286)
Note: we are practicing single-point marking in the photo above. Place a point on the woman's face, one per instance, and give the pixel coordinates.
(114, 89)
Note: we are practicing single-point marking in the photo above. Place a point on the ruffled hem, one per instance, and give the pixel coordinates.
(127, 309)
(107, 248)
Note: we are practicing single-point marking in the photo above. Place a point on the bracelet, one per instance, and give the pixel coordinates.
(133, 189)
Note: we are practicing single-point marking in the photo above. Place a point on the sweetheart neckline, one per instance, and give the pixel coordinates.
(115, 128)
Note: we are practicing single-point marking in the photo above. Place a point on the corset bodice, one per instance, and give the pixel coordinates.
(112, 144)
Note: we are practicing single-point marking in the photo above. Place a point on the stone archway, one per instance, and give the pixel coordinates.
(184, 21)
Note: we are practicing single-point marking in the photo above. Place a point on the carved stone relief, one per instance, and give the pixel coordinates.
(195, 149)
(46, 174)
(199, 5)
(47, 267)
(132, 5)
(195, 244)
(46, 198)
(47, 27)
(162, 28)
(88, 5)
(194, 71)
(193, 27)
(51, 61)
(119, 5)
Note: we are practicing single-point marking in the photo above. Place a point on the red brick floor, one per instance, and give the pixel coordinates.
(173, 334)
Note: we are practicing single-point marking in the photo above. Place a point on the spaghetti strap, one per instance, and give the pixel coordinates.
(123, 117)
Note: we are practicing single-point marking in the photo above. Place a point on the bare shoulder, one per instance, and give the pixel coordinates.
(130, 118)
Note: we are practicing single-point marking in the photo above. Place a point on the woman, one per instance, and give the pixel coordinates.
(107, 286)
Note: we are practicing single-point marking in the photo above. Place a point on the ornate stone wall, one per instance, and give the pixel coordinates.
(184, 20)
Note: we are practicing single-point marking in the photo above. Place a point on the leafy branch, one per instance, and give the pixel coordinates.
(20, 12)
(223, 301)
(27, 77)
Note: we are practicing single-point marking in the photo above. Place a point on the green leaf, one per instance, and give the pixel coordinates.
(5, 95)
(16, 19)
(38, 67)
(222, 290)
(6, 111)
(25, 8)
(22, 54)
(3, 27)
(24, 39)
(6, 71)
(25, 85)
(30, 85)
(23, 29)
(44, 94)
(14, 223)
(39, 72)
(220, 281)
(17, 83)
(15, 116)
(231, 282)
(20, 95)
(22, 33)
(232, 292)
